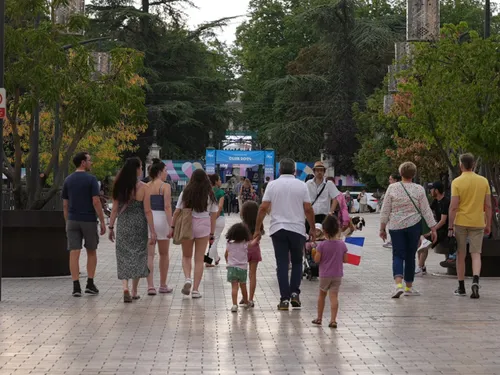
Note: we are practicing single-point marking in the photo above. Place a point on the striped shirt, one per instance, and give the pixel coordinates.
(399, 212)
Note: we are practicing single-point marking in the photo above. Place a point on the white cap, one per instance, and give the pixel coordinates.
(319, 226)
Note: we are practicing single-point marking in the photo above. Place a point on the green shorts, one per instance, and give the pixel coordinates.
(235, 274)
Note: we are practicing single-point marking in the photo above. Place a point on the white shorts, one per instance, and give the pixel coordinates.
(162, 226)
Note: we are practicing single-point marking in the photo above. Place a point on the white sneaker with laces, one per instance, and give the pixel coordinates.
(234, 308)
(398, 291)
(412, 292)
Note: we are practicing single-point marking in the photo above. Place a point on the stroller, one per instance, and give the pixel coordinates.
(311, 269)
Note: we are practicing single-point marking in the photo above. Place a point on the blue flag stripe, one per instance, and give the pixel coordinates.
(358, 241)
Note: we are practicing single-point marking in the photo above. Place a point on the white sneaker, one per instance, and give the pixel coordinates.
(412, 292)
(387, 245)
(425, 245)
(234, 308)
(418, 271)
(398, 291)
(186, 290)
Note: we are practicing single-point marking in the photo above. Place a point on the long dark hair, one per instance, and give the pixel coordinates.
(249, 212)
(198, 191)
(126, 181)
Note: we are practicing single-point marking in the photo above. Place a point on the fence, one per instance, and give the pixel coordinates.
(54, 204)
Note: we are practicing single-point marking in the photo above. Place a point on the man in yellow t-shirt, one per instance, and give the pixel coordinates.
(470, 219)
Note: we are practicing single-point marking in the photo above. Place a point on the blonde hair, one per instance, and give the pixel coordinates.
(408, 170)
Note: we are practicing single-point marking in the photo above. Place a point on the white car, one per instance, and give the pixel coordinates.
(372, 201)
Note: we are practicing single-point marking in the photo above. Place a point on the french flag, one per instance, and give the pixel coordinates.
(354, 249)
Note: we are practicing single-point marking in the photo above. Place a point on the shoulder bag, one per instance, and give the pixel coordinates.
(317, 196)
(424, 227)
(183, 226)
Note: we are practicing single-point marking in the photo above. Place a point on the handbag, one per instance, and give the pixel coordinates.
(424, 227)
(207, 258)
(184, 226)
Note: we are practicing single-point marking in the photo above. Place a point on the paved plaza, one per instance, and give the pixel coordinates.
(44, 330)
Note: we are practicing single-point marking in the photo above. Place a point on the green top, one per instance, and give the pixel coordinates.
(219, 193)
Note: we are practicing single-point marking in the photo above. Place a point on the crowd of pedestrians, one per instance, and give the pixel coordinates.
(143, 217)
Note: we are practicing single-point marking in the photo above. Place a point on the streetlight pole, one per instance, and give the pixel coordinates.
(2, 68)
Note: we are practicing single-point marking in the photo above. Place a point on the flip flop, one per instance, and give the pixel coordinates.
(332, 325)
(317, 322)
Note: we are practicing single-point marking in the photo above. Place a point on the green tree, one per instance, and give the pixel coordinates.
(188, 71)
(40, 74)
(306, 65)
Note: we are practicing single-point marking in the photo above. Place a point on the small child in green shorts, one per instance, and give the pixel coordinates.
(238, 238)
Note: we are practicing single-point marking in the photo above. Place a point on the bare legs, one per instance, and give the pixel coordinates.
(91, 263)
(321, 304)
(461, 265)
(234, 292)
(334, 305)
(151, 265)
(253, 279)
(199, 245)
(135, 285)
(163, 248)
(74, 263)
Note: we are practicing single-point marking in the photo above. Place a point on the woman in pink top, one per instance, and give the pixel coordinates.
(405, 206)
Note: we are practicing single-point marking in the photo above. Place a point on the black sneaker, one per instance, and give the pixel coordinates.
(77, 292)
(460, 292)
(475, 291)
(449, 263)
(91, 289)
(296, 301)
(284, 305)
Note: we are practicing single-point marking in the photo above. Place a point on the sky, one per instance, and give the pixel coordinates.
(210, 10)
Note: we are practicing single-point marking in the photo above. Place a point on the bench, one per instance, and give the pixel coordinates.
(490, 257)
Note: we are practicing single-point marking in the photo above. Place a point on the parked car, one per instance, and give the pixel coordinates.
(372, 201)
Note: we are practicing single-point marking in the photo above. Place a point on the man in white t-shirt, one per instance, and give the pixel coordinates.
(289, 201)
(323, 194)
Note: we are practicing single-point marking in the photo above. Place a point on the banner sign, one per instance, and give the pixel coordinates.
(210, 161)
(239, 157)
(269, 164)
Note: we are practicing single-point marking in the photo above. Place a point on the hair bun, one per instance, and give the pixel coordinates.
(155, 160)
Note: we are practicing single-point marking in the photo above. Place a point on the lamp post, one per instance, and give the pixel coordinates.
(210, 138)
(2, 53)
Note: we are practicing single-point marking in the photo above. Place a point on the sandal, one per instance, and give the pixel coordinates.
(127, 298)
(317, 322)
(332, 325)
(152, 291)
(135, 298)
(165, 289)
(209, 265)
